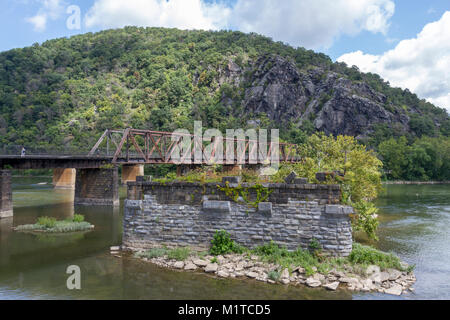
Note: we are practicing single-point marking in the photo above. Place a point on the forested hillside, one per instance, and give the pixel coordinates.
(65, 92)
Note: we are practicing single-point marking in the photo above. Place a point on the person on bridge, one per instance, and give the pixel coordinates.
(22, 153)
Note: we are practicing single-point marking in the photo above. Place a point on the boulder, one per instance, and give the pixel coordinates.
(223, 274)
(395, 290)
(313, 283)
(200, 263)
(332, 286)
(190, 266)
(394, 274)
(372, 269)
(285, 274)
(211, 268)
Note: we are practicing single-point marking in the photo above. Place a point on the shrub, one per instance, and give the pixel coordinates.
(78, 218)
(222, 244)
(365, 255)
(47, 222)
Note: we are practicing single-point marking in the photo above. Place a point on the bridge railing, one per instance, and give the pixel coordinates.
(146, 146)
(16, 150)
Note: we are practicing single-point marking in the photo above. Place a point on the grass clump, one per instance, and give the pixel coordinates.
(364, 255)
(152, 253)
(272, 253)
(274, 275)
(222, 244)
(179, 254)
(312, 260)
(46, 222)
(51, 225)
(78, 218)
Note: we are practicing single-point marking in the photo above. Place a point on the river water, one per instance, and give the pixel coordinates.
(415, 224)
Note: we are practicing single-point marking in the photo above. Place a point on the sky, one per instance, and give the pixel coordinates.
(407, 42)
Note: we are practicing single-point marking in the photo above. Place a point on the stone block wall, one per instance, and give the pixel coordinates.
(97, 187)
(6, 204)
(184, 214)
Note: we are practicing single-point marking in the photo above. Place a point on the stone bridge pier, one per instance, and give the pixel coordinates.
(130, 172)
(6, 205)
(97, 187)
(64, 178)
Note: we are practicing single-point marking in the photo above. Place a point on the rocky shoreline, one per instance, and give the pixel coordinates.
(244, 266)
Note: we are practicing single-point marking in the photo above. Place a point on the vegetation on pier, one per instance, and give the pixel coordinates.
(364, 269)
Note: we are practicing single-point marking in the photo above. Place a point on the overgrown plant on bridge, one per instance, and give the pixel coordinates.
(361, 182)
(240, 192)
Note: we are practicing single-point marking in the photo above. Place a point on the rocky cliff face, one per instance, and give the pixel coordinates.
(335, 104)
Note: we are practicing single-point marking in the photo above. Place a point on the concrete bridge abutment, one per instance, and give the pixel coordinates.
(64, 178)
(97, 187)
(130, 172)
(6, 204)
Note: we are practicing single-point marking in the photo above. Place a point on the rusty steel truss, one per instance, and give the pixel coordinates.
(133, 146)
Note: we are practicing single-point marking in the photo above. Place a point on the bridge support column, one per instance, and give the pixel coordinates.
(130, 172)
(64, 178)
(97, 187)
(6, 204)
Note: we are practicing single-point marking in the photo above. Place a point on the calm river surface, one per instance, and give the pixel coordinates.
(415, 224)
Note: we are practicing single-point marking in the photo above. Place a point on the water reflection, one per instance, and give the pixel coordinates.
(34, 266)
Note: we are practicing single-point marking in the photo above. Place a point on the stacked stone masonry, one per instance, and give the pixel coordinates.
(6, 206)
(97, 187)
(186, 214)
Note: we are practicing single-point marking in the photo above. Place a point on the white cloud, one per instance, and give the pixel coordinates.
(312, 23)
(39, 22)
(420, 64)
(183, 14)
(308, 23)
(49, 10)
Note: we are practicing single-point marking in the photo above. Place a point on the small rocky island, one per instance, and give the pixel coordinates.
(51, 225)
(273, 265)
(292, 233)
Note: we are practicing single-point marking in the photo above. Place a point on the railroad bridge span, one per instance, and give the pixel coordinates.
(94, 173)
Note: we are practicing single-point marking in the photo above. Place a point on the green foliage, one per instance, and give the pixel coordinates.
(46, 222)
(272, 253)
(152, 253)
(424, 159)
(360, 258)
(64, 93)
(179, 254)
(260, 193)
(78, 218)
(361, 182)
(222, 244)
(366, 218)
(274, 275)
(314, 245)
(51, 225)
(365, 255)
